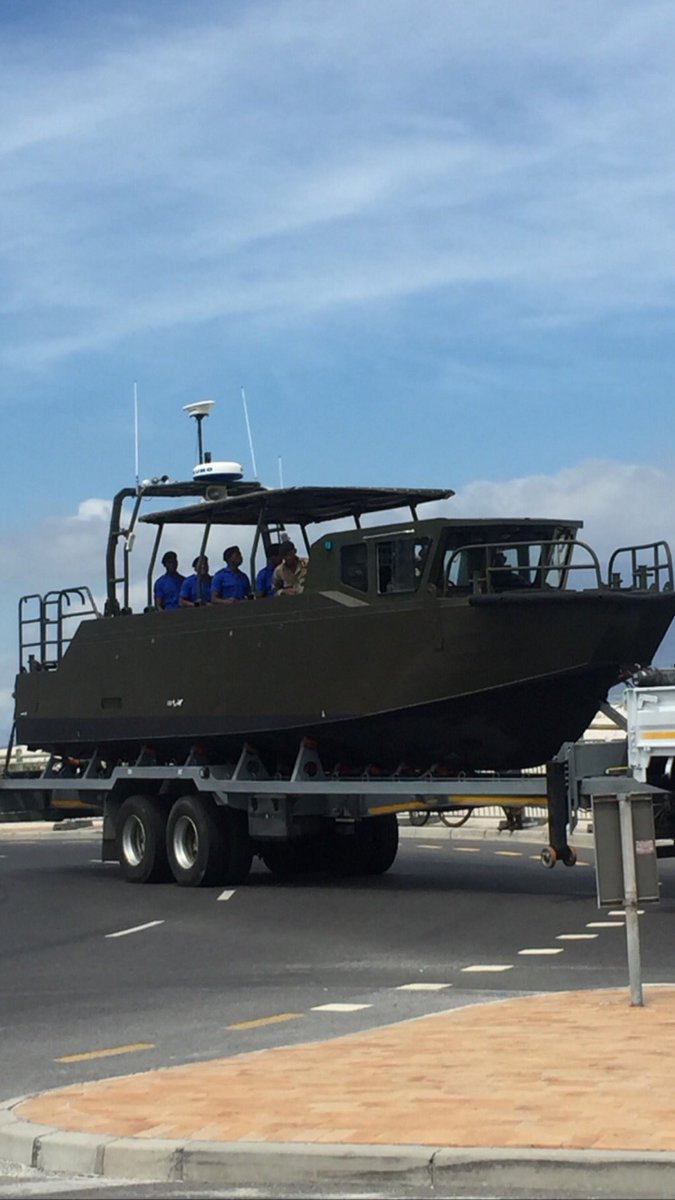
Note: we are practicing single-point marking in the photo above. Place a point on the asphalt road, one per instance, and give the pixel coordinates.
(98, 977)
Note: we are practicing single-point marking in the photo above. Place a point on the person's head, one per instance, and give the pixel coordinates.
(233, 557)
(288, 551)
(274, 555)
(201, 564)
(170, 562)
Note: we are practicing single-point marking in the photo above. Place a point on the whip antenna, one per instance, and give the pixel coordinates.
(136, 451)
(248, 430)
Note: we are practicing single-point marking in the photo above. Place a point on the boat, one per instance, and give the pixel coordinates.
(418, 643)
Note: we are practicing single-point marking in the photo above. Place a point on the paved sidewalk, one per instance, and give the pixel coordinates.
(544, 1082)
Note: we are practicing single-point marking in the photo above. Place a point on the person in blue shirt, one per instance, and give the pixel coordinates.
(263, 580)
(196, 589)
(229, 583)
(167, 587)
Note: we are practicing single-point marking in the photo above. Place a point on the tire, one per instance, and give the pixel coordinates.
(382, 836)
(418, 816)
(141, 840)
(207, 845)
(454, 817)
(289, 859)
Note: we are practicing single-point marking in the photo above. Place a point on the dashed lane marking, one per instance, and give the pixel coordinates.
(422, 987)
(604, 924)
(543, 950)
(619, 912)
(509, 853)
(425, 846)
(468, 850)
(226, 895)
(134, 929)
(273, 1020)
(576, 937)
(107, 1053)
(339, 1007)
(489, 967)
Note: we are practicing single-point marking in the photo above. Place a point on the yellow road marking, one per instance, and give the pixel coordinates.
(87, 1054)
(266, 1020)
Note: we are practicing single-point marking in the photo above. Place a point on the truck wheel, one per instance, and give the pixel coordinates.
(206, 844)
(382, 837)
(141, 840)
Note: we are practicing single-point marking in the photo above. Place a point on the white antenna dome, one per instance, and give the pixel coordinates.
(200, 408)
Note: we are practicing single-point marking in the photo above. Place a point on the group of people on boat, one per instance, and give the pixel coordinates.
(283, 575)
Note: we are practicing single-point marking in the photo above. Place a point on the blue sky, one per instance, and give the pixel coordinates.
(433, 241)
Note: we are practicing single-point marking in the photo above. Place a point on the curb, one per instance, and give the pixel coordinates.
(535, 835)
(278, 1164)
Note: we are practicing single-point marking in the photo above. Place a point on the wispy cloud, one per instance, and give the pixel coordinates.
(261, 160)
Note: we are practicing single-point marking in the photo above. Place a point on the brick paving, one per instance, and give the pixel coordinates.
(579, 1070)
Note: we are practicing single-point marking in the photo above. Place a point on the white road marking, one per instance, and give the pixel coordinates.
(576, 937)
(604, 924)
(339, 1007)
(424, 846)
(493, 967)
(469, 850)
(619, 912)
(107, 862)
(226, 895)
(422, 987)
(509, 853)
(543, 950)
(134, 929)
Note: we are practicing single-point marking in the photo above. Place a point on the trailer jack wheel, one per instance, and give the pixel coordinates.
(548, 857)
(569, 856)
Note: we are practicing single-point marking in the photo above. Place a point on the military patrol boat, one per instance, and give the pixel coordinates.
(422, 643)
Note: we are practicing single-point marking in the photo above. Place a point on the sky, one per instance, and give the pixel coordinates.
(432, 240)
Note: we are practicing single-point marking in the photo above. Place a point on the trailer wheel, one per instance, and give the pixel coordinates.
(206, 844)
(370, 850)
(382, 834)
(141, 840)
(287, 859)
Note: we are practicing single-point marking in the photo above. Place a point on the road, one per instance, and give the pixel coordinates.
(99, 978)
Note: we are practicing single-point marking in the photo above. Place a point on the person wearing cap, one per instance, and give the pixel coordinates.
(230, 584)
(167, 586)
(263, 580)
(196, 589)
(289, 577)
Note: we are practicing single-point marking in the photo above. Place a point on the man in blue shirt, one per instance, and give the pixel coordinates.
(167, 587)
(263, 580)
(196, 589)
(229, 583)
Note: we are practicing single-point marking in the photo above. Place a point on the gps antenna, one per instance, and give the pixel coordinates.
(199, 410)
(248, 430)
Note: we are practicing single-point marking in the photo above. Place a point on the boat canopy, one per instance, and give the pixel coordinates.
(296, 505)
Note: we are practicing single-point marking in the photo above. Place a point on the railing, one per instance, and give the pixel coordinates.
(52, 616)
(644, 576)
(489, 576)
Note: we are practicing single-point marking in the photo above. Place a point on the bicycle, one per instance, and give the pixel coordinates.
(452, 817)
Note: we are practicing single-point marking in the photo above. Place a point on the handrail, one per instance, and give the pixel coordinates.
(640, 572)
(487, 548)
(52, 615)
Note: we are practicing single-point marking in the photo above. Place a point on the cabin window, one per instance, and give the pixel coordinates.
(400, 564)
(354, 566)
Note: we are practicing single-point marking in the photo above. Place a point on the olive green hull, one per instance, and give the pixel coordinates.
(485, 682)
